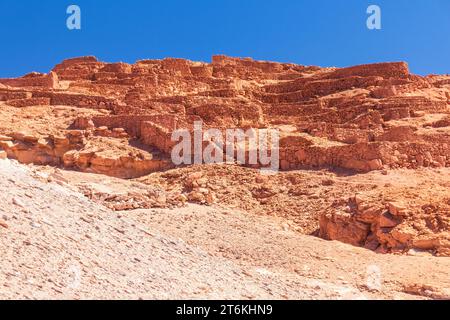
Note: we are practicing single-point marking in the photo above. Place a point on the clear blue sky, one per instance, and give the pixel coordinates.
(34, 36)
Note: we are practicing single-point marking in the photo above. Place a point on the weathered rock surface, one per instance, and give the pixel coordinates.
(57, 244)
(361, 118)
(117, 119)
(419, 221)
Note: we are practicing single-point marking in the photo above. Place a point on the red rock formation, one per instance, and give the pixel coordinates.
(375, 222)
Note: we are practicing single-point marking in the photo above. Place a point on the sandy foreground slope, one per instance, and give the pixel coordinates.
(55, 243)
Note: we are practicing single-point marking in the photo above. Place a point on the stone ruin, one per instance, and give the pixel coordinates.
(359, 119)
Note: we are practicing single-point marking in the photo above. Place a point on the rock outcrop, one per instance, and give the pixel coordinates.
(413, 222)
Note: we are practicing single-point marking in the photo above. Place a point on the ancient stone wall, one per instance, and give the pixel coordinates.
(34, 80)
(348, 114)
(82, 68)
(6, 95)
(76, 100)
(385, 70)
(29, 102)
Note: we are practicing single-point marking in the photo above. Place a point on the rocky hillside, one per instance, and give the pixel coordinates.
(57, 244)
(364, 150)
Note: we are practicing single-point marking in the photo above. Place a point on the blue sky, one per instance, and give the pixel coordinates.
(34, 36)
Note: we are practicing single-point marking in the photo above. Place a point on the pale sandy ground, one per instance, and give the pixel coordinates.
(56, 244)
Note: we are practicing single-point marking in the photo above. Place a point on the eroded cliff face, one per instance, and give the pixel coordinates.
(117, 119)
